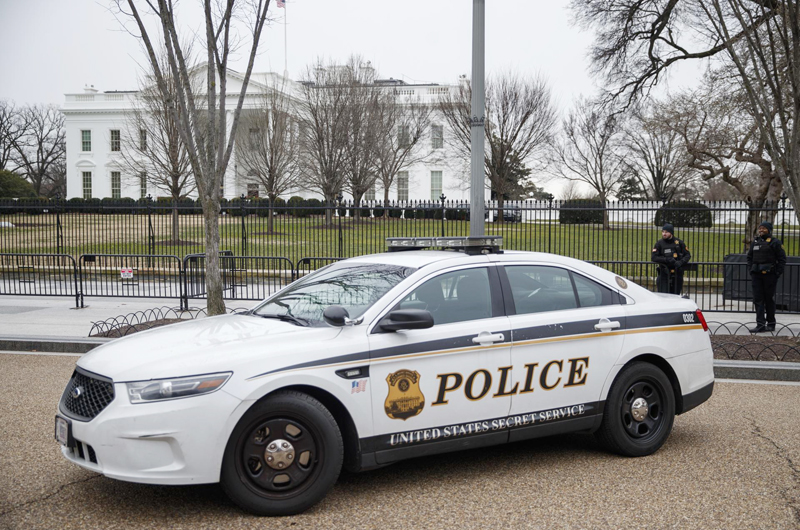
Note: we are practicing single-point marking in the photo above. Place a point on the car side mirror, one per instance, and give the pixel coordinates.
(406, 319)
(335, 315)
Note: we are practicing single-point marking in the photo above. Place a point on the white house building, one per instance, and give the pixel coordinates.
(96, 123)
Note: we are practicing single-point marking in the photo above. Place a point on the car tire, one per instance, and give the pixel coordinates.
(639, 411)
(303, 444)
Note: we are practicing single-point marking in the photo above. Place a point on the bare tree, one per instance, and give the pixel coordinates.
(40, 145)
(588, 150)
(405, 123)
(268, 145)
(363, 127)
(204, 129)
(9, 133)
(725, 143)
(638, 41)
(520, 118)
(323, 131)
(571, 191)
(151, 148)
(655, 154)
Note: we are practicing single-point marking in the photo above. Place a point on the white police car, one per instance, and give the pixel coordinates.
(385, 357)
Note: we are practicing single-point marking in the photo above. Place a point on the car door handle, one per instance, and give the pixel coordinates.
(606, 325)
(485, 336)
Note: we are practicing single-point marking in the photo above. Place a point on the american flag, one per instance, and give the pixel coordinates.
(281, 3)
(358, 386)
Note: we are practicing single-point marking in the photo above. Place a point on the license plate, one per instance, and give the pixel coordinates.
(63, 431)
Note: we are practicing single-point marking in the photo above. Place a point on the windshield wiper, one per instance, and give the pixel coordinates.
(286, 317)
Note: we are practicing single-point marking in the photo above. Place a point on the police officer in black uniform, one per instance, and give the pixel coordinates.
(765, 261)
(672, 255)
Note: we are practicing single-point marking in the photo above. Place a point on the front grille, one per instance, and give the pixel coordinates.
(94, 393)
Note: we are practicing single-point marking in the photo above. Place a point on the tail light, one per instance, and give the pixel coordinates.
(702, 320)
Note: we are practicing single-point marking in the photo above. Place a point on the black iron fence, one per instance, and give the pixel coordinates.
(589, 230)
(38, 238)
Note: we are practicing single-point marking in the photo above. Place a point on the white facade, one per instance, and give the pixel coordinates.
(101, 118)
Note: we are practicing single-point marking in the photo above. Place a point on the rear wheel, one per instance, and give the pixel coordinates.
(639, 411)
(283, 456)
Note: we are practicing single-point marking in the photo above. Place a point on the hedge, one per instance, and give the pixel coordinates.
(684, 213)
(581, 211)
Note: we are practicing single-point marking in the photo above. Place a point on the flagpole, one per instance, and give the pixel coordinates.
(285, 45)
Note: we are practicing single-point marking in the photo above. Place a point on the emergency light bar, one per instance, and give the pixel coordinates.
(470, 245)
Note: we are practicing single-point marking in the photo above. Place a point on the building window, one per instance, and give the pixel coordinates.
(370, 194)
(436, 185)
(115, 139)
(87, 185)
(115, 185)
(403, 136)
(437, 136)
(143, 184)
(253, 138)
(142, 140)
(252, 191)
(402, 186)
(86, 141)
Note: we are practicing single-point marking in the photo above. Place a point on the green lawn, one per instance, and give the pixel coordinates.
(308, 237)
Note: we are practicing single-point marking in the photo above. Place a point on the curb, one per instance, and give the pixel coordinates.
(758, 370)
(723, 369)
(50, 344)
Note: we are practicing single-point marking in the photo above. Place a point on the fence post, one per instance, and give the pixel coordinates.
(59, 231)
(339, 199)
(442, 198)
(783, 215)
(549, 220)
(244, 228)
(151, 236)
(184, 303)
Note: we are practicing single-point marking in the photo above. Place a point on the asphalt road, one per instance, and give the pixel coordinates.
(732, 463)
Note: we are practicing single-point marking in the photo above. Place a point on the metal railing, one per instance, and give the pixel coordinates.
(615, 235)
(130, 275)
(243, 277)
(612, 231)
(40, 275)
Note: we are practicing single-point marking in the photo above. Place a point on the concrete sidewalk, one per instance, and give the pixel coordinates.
(57, 317)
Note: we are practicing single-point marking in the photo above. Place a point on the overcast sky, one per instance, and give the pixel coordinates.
(53, 47)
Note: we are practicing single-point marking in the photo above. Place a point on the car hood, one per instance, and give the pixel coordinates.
(208, 345)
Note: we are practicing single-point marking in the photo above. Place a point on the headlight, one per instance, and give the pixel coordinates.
(159, 390)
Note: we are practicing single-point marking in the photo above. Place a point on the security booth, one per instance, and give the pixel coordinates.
(737, 284)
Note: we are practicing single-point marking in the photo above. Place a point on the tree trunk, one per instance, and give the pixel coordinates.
(606, 222)
(385, 203)
(329, 211)
(215, 303)
(270, 218)
(500, 203)
(357, 207)
(176, 232)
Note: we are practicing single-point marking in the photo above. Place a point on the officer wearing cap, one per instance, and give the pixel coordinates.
(672, 255)
(765, 261)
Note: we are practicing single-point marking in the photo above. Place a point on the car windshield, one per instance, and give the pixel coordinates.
(354, 286)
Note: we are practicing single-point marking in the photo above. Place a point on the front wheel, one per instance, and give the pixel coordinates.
(639, 411)
(284, 455)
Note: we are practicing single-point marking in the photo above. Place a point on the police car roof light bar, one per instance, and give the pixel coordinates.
(469, 245)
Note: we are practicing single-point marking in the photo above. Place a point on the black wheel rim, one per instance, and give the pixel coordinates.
(296, 477)
(645, 429)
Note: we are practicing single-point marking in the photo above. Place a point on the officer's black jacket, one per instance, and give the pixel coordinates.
(666, 249)
(766, 254)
